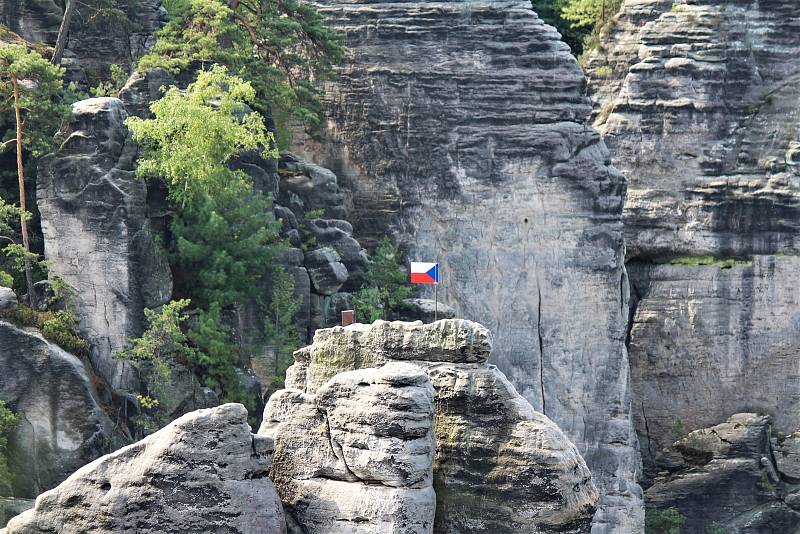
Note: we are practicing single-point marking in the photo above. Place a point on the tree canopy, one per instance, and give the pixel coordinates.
(579, 21)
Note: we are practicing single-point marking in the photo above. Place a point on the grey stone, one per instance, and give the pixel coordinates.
(8, 299)
(204, 472)
(96, 233)
(500, 466)
(423, 310)
(325, 269)
(313, 187)
(787, 457)
(726, 478)
(287, 218)
(357, 457)
(10, 507)
(62, 425)
(461, 130)
(337, 234)
(706, 342)
(326, 311)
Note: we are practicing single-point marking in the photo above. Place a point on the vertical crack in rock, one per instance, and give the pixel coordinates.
(541, 347)
(498, 132)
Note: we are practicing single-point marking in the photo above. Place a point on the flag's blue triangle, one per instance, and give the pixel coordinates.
(434, 272)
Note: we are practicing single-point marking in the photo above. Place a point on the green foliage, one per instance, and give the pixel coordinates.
(579, 21)
(283, 48)
(722, 263)
(386, 285)
(765, 484)
(152, 355)
(8, 421)
(678, 430)
(279, 322)
(41, 89)
(196, 133)
(114, 85)
(58, 327)
(216, 356)
(715, 529)
(224, 244)
(669, 521)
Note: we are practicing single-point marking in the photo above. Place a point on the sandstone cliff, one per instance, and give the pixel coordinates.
(462, 129)
(699, 104)
(364, 405)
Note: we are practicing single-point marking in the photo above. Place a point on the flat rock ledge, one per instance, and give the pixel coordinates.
(402, 427)
(204, 472)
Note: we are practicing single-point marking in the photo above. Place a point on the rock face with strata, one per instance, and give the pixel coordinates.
(461, 129)
(204, 472)
(96, 40)
(96, 231)
(61, 424)
(699, 104)
(498, 465)
(725, 477)
(706, 341)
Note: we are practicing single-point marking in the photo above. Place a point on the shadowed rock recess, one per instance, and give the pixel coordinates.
(462, 129)
(204, 472)
(354, 439)
(699, 102)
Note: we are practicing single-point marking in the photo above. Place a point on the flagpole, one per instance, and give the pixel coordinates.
(435, 302)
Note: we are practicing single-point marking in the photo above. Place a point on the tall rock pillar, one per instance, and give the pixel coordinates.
(96, 232)
(462, 128)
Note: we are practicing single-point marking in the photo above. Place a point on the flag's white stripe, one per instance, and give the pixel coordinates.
(422, 268)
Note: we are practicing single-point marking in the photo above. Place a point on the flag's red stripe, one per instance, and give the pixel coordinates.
(422, 278)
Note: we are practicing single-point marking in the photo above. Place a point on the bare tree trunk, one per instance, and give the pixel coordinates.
(63, 33)
(22, 209)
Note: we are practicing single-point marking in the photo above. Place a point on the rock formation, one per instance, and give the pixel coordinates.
(204, 472)
(358, 409)
(356, 456)
(699, 104)
(726, 479)
(96, 231)
(96, 40)
(62, 424)
(461, 128)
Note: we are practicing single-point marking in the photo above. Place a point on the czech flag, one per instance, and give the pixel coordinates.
(424, 273)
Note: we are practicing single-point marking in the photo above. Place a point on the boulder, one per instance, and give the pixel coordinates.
(724, 477)
(325, 269)
(97, 235)
(306, 187)
(357, 456)
(8, 299)
(499, 466)
(338, 235)
(326, 311)
(204, 472)
(62, 424)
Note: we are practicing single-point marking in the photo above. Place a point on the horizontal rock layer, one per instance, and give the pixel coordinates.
(461, 129)
(725, 479)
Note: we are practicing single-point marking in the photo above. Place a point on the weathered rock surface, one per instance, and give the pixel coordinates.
(8, 299)
(707, 342)
(425, 310)
(499, 466)
(357, 456)
(95, 40)
(461, 128)
(96, 232)
(326, 270)
(62, 425)
(705, 128)
(725, 477)
(204, 472)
